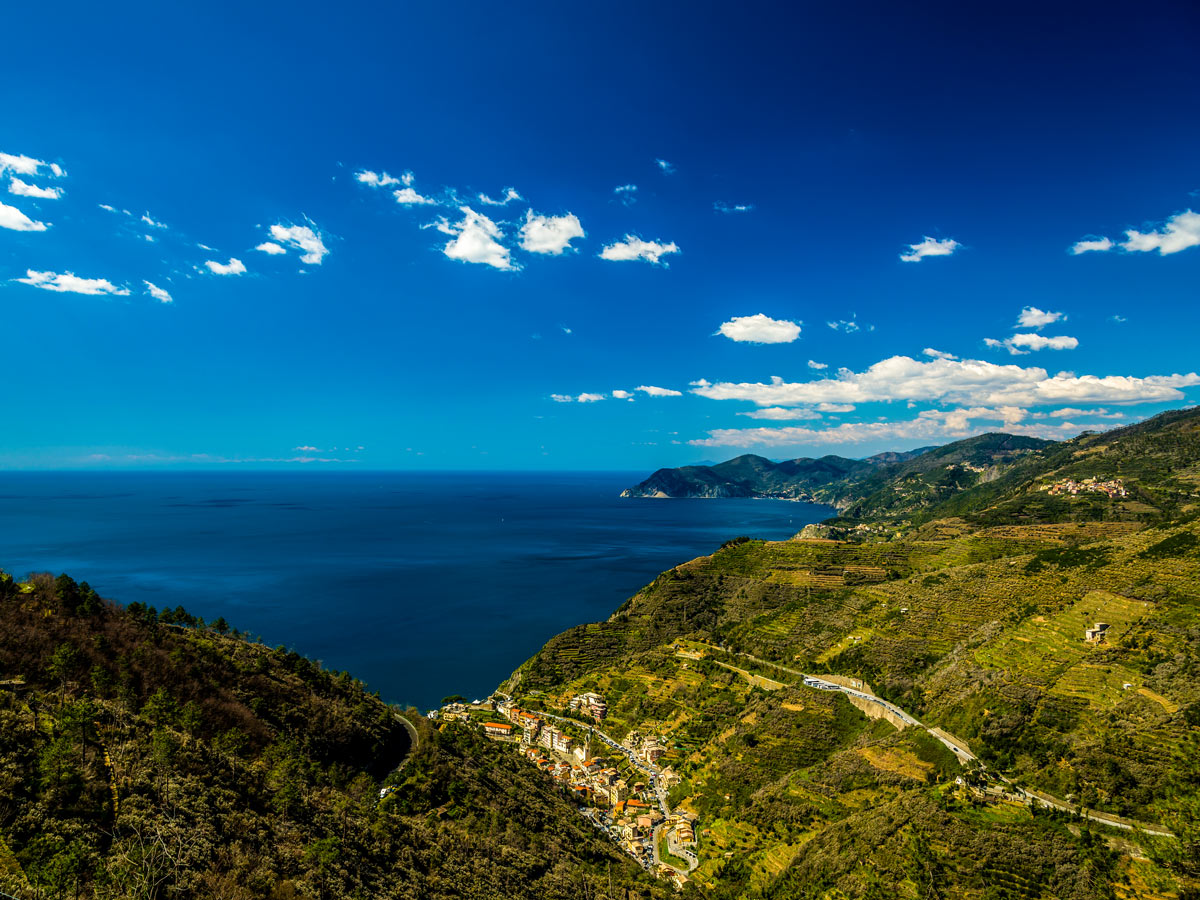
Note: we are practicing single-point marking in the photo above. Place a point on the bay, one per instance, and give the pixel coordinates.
(420, 584)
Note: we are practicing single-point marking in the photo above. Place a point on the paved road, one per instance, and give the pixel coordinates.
(960, 750)
(414, 739)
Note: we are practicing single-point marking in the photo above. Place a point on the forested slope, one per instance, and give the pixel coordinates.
(153, 760)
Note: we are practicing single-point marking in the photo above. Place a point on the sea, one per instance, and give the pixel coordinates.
(422, 585)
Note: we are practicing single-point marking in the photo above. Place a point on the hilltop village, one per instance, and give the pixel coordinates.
(619, 787)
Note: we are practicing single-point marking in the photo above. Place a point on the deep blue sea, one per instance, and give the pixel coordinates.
(422, 585)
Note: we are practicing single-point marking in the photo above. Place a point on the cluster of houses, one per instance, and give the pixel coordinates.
(1113, 488)
(592, 704)
(625, 805)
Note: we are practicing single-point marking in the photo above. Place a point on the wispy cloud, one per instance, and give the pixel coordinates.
(157, 293)
(938, 354)
(930, 247)
(579, 398)
(233, 267)
(409, 197)
(760, 329)
(303, 238)
(510, 194)
(848, 326)
(549, 234)
(813, 364)
(151, 222)
(1020, 344)
(1092, 245)
(666, 167)
(27, 165)
(780, 414)
(735, 208)
(626, 193)
(652, 391)
(375, 179)
(634, 247)
(69, 283)
(1032, 317)
(22, 189)
(15, 220)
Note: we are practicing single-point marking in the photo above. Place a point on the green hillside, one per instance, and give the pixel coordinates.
(965, 606)
(146, 755)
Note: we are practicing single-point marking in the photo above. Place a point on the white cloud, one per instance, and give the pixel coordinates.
(475, 239)
(233, 267)
(303, 238)
(736, 208)
(626, 193)
(157, 293)
(25, 165)
(622, 395)
(409, 197)
(21, 189)
(15, 220)
(938, 354)
(306, 449)
(779, 414)
(760, 329)
(510, 194)
(1020, 344)
(1092, 245)
(1032, 317)
(149, 221)
(666, 167)
(271, 248)
(930, 247)
(589, 398)
(105, 206)
(835, 407)
(652, 391)
(70, 283)
(1179, 232)
(635, 248)
(375, 179)
(813, 364)
(929, 425)
(1072, 412)
(549, 234)
(966, 382)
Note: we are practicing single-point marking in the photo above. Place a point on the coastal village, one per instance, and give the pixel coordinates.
(619, 786)
(1113, 488)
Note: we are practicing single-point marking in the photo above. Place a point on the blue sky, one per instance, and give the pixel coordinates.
(474, 235)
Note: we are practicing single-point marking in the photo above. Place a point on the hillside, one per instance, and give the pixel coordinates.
(966, 609)
(816, 480)
(990, 479)
(149, 755)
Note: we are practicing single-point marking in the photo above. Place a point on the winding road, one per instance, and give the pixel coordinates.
(960, 750)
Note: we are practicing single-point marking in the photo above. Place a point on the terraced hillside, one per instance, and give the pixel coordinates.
(975, 623)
